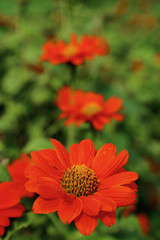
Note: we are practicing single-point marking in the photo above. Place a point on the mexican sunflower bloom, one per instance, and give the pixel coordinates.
(83, 185)
(17, 173)
(74, 52)
(9, 204)
(78, 106)
(144, 223)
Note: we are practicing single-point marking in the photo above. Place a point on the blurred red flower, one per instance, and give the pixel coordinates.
(137, 65)
(82, 186)
(9, 204)
(144, 223)
(122, 6)
(17, 173)
(75, 52)
(79, 106)
(37, 68)
(157, 58)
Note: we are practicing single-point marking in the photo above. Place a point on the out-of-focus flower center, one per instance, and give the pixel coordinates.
(70, 51)
(79, 180)
(91, 109)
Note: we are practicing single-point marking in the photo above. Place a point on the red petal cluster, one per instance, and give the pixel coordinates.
(75, 52)
(17, 173)
(79, 106)
(9, 204)
(116, 187)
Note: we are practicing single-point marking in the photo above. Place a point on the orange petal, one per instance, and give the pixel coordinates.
(62, 115)
(79, 121)
(118, 179)
(51, 158)
(13, 212)
(70, 120)
(69, 208)
(123, 196)
(4, 221)
(117, 163)
(132, 185)
(42, 205)
(44, 165)
(108, 218)
(62, 153)
(34, 173)
(49, 191)
(82, 153)
(90, 206)
(86, 224)
(113, 104)
(1, 231)
(73, 151)
(107, 204)
(103, 159)
(31, 186)
(97, 124)
(118, 117)
(10, 195)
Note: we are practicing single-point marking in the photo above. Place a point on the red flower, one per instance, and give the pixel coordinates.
(75, 52)
(79, 106)
(9, 204)
(144, 223)
(137, 65)
(16, 171)
(82, 186)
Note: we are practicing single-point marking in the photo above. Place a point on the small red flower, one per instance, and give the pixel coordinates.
(137, 65)
(17, 170)
(79, 106)
(75, 52)
(144, 223)
(9, 204)
(82, 186)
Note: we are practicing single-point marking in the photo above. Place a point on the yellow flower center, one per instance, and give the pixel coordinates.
(91, 109)
(79, 180)
(70, 51)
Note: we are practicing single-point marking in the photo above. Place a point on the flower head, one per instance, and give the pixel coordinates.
(79, 106)
(17, 173)
(9, 204)
(74, 52)
(83, 186)
(144, 223)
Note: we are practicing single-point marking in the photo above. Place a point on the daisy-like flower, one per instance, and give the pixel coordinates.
(74, 52)
(17, 170)
(144, 223)
(9, 204)
(83, 185)
(79, 106)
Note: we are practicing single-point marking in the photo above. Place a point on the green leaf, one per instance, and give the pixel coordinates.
(38, 144)
(4, 174)
(18, 224)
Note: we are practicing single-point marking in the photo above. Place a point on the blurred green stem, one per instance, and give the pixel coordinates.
(73, 73)
(57, 223)
(71, 135)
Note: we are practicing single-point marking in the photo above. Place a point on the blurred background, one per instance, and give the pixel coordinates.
(28, 116)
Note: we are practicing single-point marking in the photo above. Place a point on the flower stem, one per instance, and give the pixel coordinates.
(71, 135)
(57, 223)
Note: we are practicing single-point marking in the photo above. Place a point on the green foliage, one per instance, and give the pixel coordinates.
(4, 175)
(19, 224)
